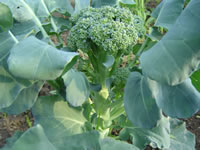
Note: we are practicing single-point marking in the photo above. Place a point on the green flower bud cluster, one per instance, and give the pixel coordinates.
(110, 29)
(120, 76)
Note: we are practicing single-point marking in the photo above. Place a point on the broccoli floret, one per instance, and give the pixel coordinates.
(110, 29)
(120, 76)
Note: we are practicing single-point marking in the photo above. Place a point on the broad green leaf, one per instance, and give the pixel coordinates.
(61, 6)
(6, 19)
(33, 139)
(138, 98)
(109, 61)
(167, 12)
(70, 65)
(10, 86)
(111, 144)
(31, 15)
(157, 137)
(24, 24)
(196, 80)
(25, 99)
(20, 12)
(180, 139)
(155, 35)
(41, 8)
(62, 23)
(36, 139)
(58, 119)
(176, 56)
(101, 3)
(34, 59)
(10, 141)
(84, 141)
(180, 101)
(44, 8)
(127, 2)
(101, 106)
(117, 109)
(77, 87)
(6, 43)
(81, 4)
(156, 11)
(24, 29)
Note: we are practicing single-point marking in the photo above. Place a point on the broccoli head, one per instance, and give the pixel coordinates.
(110, 29)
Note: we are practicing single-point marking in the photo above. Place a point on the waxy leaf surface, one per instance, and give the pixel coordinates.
(157, 137)
(180, 101)
(111, 144)
(81, 4)
(139, 104)
(167, 12)
(77, 87)
(180, 138)
(58, 119)
(101, 3)
(173, 59)
(10, 86)
(6, 19)
(33, 139)
(36, 60)
(25, 99)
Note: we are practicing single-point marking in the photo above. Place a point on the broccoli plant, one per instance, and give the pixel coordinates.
(98, 99)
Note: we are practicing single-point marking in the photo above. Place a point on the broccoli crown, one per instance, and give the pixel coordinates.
(120, 76)
(111, 29)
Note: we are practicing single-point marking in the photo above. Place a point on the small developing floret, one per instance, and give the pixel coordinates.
(120, 76)
(110, 29)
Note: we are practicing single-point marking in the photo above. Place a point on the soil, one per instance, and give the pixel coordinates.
(193, 125)
(11, 123)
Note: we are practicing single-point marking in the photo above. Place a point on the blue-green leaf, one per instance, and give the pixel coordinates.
(101, 3)
(10, 86)
(138, 98)
(58, 119)
(109, 61)
(34, 59)
(24, 100)
(180, 138)
(83, 141)
(81, 4)
(167, 12)
(6, 19)
(180, 101)
(111, 144)
(77, 87)
(127, 2)
(10, 141)
(173, 59)
(157, 137)
(33, 139)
